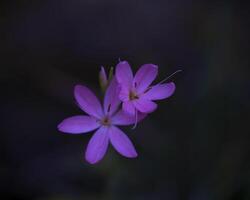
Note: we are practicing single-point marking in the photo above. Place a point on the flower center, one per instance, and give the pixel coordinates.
(133, 95)
(105, 121)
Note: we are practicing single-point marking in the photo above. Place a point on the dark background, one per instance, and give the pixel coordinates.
(194, 147)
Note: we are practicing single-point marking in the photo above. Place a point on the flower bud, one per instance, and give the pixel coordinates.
(103, 79)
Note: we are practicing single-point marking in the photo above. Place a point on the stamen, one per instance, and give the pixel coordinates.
(105, 121)
(165, 79)
(133, 96)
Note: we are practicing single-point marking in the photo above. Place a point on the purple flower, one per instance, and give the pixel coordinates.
(104, 119)
(136, 92)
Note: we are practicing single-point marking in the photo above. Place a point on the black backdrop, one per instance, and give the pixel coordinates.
(194, 147)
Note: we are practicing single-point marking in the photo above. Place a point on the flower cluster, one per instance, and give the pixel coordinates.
(128, 99)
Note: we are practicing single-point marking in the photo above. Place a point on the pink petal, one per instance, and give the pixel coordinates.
(128, 107)
(160, 91)
(145, 105)
(121, 142)
(87, 101)
(97, 145)
(124, 119)
(111, 99)
(78, 124)
(124, 74)
(144, 77)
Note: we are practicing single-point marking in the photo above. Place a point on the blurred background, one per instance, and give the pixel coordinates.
(194, 147)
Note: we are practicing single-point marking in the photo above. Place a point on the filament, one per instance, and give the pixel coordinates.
(168, 77)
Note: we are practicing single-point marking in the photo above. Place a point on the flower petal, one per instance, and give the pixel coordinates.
(124, 94)
(121, 142)
(160, 91)
(124, 119)
(144, 77)
(124, 74)
(128, 107)
(111, 99)
(78, 124)
(97, 145)
(87, 101)
(145, 105)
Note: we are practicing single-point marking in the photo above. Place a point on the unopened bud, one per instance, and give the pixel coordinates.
(103, 79)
